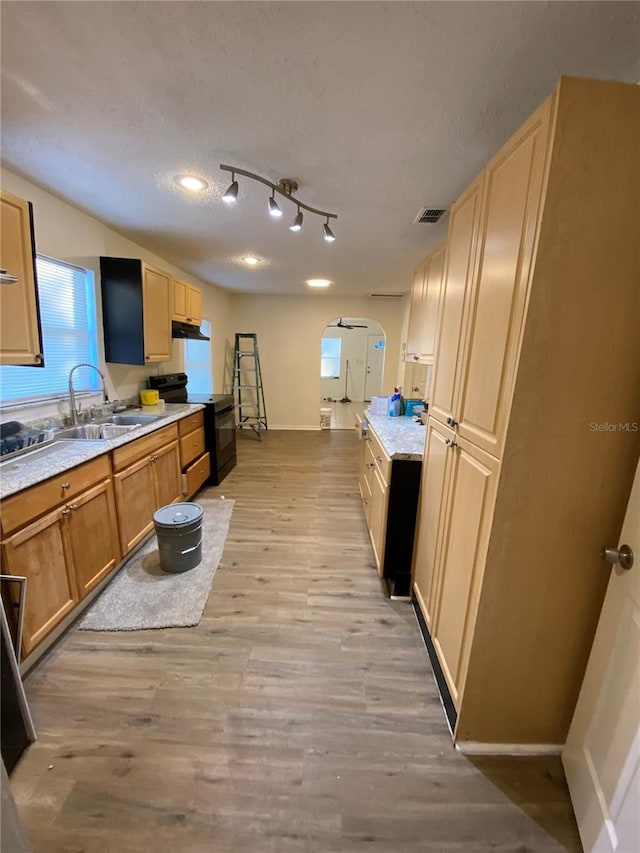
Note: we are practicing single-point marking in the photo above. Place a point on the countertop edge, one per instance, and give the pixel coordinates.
(76, 452)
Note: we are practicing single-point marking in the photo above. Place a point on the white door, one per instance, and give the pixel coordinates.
(373, 368)
(602, 754)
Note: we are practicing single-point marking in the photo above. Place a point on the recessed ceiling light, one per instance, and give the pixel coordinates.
(190, 182)
(318, 282)
(251, 260)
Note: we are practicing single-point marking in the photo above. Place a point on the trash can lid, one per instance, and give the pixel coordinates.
(177, 515)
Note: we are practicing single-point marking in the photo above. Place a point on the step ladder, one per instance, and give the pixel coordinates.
(246, 385)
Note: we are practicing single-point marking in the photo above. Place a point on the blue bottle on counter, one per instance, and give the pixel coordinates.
(394, 404)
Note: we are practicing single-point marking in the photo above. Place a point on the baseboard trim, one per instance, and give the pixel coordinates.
(469, 747)
(295, 427)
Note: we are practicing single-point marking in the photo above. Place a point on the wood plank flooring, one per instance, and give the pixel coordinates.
(300, 715)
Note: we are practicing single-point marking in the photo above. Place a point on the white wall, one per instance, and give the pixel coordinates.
(65, 232)
(289, 330)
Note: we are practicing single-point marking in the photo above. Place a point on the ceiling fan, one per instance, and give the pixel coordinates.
(341, 325)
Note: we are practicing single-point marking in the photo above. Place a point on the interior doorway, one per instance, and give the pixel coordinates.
(351, 367)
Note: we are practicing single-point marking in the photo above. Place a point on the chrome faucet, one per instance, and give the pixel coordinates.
(72, 399)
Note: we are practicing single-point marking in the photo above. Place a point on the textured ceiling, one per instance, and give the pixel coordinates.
(376, 109)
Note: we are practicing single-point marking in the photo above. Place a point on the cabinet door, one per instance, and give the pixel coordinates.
(135, 502)
(469, 509)
(415, 313)
(431, 517)
(93, 536)
(432, 294)
(464, 225)
(512, 197)
(167, 474)
(378, 518)
(156, 300)
(180, 300)
(195, 306)
(20, 335)
(39, 553)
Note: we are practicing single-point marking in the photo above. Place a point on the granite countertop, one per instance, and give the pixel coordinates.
(47, 460)
(401, 437)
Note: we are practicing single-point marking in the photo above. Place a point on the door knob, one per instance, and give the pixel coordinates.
(622, 555)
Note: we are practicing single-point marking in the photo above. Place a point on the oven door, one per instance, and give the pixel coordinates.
(225, 433)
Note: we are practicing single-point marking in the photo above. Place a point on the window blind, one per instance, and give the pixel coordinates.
(68, 317)
(197, 362)
(330, 358)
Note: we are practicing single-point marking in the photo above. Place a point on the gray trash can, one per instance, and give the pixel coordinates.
(179, 531)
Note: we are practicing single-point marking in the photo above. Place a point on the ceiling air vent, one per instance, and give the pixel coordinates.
(392, 295)
(430, 215)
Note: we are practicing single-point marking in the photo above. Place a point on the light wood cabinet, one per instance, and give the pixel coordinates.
(64, 553)
(515, 507)
(187, 302)
(424, 309)
(194, 459)
(156, 302)
(414, 332)
(151, 479)
(136, 311)
(20, 332)
(38, 553)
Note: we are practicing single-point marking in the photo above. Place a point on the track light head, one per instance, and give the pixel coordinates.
(327, 233)
(274, 209)
(231, 194)
(296, 225)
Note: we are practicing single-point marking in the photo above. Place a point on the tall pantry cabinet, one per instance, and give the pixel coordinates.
(537, 348)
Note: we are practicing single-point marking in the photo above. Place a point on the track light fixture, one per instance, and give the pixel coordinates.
(274, 209)
(327, 233)
(285, 187)
(231, 193)
(296, 225)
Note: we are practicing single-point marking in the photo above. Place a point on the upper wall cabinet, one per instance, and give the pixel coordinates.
(424, 310)
(187, 303)
(136, 310)
(20, 333)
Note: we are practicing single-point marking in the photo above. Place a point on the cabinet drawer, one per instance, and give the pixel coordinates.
(29, 504)
(195, 475)
(187, 425)
(380, 456)
(129, 453)
(191, 446)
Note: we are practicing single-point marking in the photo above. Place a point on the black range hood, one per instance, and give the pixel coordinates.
(187, 330)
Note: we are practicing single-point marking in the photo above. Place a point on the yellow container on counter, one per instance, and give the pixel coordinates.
(149, 397)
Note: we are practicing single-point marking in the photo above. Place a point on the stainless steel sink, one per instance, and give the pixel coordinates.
(128, 420)
(87, 432)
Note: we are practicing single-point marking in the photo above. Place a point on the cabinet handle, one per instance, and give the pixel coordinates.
(7, 278)
(452, 422)
(371, 465)
(379, 458)
(74, 507)
(153, 457)
(366, 500)
(66, 486)
(450, 442)
(37, 357)
(66, 511)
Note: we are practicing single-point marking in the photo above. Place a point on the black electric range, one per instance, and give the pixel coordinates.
(219, 420)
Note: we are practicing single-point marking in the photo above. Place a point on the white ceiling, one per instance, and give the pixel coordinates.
(376, 109)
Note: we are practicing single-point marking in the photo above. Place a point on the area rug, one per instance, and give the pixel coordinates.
(143, 596)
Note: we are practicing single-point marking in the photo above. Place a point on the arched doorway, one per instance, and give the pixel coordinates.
(351, 366)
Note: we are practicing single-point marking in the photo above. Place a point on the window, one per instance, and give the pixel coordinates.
(68, 317)
(197, 362)
(330, 358)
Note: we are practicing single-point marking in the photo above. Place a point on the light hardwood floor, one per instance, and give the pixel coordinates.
(300, 715)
